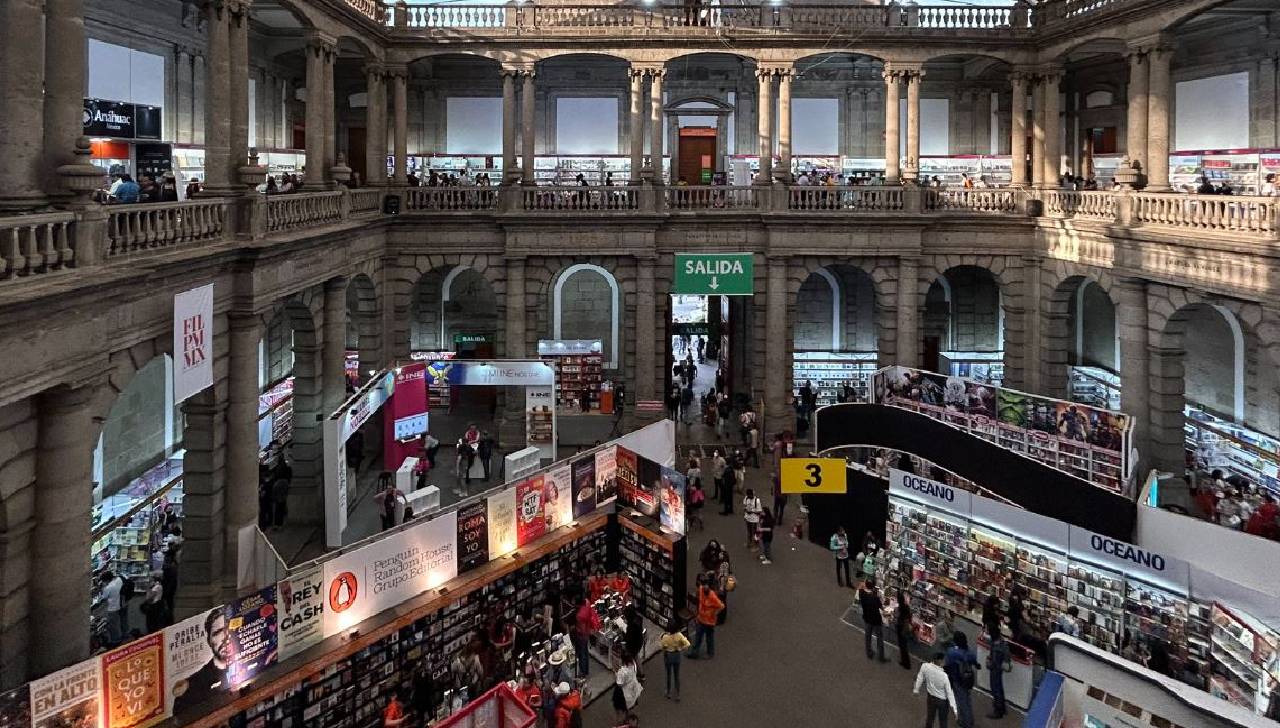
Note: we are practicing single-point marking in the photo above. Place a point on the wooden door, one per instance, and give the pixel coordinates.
(697, 157)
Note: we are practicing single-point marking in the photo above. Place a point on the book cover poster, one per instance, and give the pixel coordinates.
(557, 503)
(584, 486)
(502, 523)
(300, 611)
(68, 697)
(648, 486)
(627, 475)
(473, 536)
(671, 497)
(251, 622)
(531, 521)
(197, 651)
(606, 475)
(134, 679)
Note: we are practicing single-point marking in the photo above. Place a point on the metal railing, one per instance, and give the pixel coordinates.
(131, 228)
(34, 244)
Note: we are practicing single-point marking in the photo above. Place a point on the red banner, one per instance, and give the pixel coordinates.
(405, 417)
(531, 522)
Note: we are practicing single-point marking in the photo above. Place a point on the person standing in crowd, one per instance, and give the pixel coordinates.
(626, 685)
(465, 457)
(1069, 622)
(391, 502)
(938, 693)
(673, 643)
(718, 467)
(726, 492)
(991, 613)
(568, 703)
(840, 547)
(673, 403)
(112, 586)
(753, 444)
(633, 636)
(724, 409)
(944, 630)
(394, 716)
(779, 498)
(872, 617)
(1015, 612)
(709, 608)
(430, 446)
(962, 666)
(998, 662)
(169, 581)
(697, 499)
(585, 623)
(765, 529)
(484, 448)
(127, 192)
(751, 508)
(903, 628)
(153, 605)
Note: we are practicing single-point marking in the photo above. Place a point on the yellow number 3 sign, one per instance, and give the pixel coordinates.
(814, 475)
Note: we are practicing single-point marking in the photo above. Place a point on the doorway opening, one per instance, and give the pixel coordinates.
(699, 342)
(697, 155)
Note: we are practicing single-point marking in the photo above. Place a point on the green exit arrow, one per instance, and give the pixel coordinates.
(721, 274)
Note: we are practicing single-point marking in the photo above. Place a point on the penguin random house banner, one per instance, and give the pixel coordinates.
(606, 475)
(502, 523)
(671, 496)
(192, 342)
(584, 486)
(557, 501)
(388, 572)
(252, 630)
(134, 679)
(68, 697)
(15, 708)
(300, 611)
(531, 521)
(473, 536)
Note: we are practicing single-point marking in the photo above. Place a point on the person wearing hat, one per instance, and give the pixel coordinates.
(568, 702)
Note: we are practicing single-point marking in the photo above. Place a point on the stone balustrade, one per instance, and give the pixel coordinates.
(709, 198)
(451, 199)
(582, 199)
(372, 9)
(961, 17)
(303, 210)
(992, 199)
(1086, 204)
(850, 199)
(35, 244)
(457, 16)
(133, 228)
(1226, 214)
(366, 201)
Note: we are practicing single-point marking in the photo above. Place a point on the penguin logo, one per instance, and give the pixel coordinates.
(342, 592)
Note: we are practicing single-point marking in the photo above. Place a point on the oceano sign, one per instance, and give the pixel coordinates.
(929, 487)
(1126, 551)
(930, 491)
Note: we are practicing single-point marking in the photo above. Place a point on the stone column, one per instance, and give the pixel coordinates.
(722, 142)
(1018, 129)
(528, 105)
(764, 120)
(22, 58)
(238, 85)
(334, 346)
(646, 386)
(202, 569)
(517, 308)
(1167, 388)
(1136, 123)
(185, 92)
(375, 119)
(655, 126)
(908, 311)
(912, 171)
(399, 82)
(673, 149)
(242, 436)
(783, 172)
(982, 122)
(1159, 91)
(59, 591)
(1131, 323)
(66, 64)
(1052, 129)
(199, 78)
(508, 125)
(315, 124)
(330, 121)
(1032, 342)
(1037, 137)
(218, 178)
(777, 339)
(636, 120)
(892, 126)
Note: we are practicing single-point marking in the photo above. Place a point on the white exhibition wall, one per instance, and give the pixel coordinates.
(1237, 557)
(815, 127)
(473, 125)
(117, 73)
(1212, 113)
(935, 127)
(587, 125)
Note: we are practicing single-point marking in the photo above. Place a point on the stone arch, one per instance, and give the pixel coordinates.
(576, 312)
(447, 299)
(836, 309)
(136, 420)
(364, 334)
(973, 294)
(1208, 341)
(1080, 329)
(264, 11)
(291, 345)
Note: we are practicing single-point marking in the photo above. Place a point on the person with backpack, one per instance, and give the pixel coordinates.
(751, 509)
(962, 669)
(568, 707)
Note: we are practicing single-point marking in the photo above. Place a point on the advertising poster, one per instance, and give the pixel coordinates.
(386, 573)
(1042, 414)
(671, 497)
(1012, 408)
(15, 708)
(557, 502)
(300, 611)
(980, 399)
(502, 523)
(68, 697)
(134, 679)
(1106, 430)
(473, 536)
(606, 475)
(627, 474)
(251, 624)
(1073, 423)
(584, 486)
(648, 486)
(192, 342)
(531, 523)
(197, 652)
(406, 419)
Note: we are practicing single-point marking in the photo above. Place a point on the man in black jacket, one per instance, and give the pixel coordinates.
(872, 618)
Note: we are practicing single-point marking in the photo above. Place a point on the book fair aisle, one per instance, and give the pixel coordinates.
(828, 371)
(476, 596)
(580, 384)
(1213, 443)
(1088, 442)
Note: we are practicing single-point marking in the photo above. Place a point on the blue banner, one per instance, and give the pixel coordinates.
(1046, 709)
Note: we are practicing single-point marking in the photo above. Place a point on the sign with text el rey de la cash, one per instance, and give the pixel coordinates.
(714, 274)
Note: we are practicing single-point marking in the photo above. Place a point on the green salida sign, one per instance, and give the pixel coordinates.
(714, 274)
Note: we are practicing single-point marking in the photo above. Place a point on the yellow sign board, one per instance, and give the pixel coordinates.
(814, 475)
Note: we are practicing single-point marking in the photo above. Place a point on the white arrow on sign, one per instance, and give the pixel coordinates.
(713, 285)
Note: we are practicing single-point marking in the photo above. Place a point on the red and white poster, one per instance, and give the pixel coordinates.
(192, 342)
(531, 521)
(406, 419)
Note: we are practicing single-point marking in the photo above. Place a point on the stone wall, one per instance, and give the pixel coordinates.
(17, 514)
(133, 437)
(975, 310)
(587, 309)
(1209, 361)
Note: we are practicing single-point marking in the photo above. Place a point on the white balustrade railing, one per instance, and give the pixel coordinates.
(818, 17)
(32, 244)
(302, 210)
(1223, 213)
(145, 226)
(708, 197)
(1067, 203)
(972, 200)
(962, 17)
(861, 199)
(451, 198)
(371, 9)
(1072, 9)
(456, 16)
(366, 200)
(583, 16)
(578, 198)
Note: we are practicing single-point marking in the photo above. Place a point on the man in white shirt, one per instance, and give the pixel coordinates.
(937, 691)
(803, 179)
(112, 585)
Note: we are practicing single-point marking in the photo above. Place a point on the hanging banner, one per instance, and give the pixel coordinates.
(192, 342)
(197, 652)
(300, 607)
(390, 571)
(406, 419)
(671, 497)
(251, 622)
(531, 521)
(496, 373)
(584, 486)
(15, 708)
(502, 523)
(473, 536)
(628, 472)
(68, 698)
(606, 475)
(557, 486)
(134, 679)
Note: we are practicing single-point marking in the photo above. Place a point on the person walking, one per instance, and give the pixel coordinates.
(709, 608)
(626, 685)
(840, 547)
(751, 509)
(938, 693)
(779, 498)
(673, 643)
(765, 529)
(724, 409)
(872, 617)
(753, 444)
(962, 668)
(112, 586)
(998, 663)
(727, 482)
(718, 466)
(905, 631)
